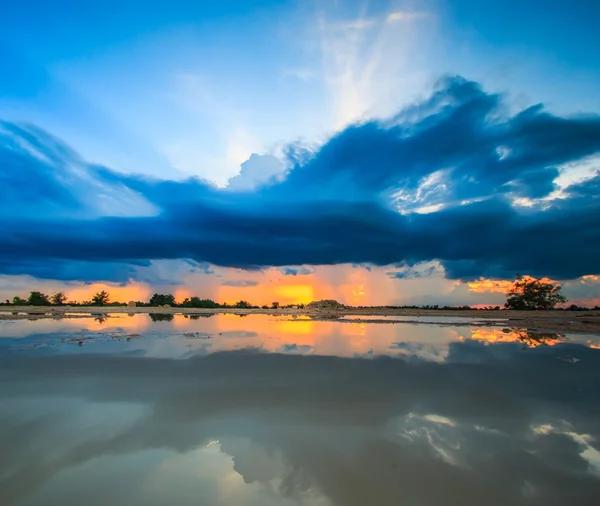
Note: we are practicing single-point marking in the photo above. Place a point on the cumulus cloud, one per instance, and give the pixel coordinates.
(256, 171)
(337, 204)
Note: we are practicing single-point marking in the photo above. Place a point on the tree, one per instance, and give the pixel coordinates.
(100, 298)
(242, 304)
(161, 299)
(532, 293)
(18, 301)
(275, 305)
(196, 302)
(58, 299)
(38, 299)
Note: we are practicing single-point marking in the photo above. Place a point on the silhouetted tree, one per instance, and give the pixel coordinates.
(533, 293)
(242, 304)
(161, 299)
(38, 299)
(18, 301)
(58, 299)
(100, 298)
(275, 305)
(196, 302)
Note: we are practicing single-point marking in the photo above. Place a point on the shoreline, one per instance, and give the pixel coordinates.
(587, 322)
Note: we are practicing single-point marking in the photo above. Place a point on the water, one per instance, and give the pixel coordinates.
(259, 410)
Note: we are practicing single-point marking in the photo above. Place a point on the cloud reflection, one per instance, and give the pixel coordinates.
(323, 429)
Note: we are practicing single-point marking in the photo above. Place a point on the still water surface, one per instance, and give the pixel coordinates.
(259, 410)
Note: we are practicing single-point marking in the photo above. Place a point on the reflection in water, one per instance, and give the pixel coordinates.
(263, 410)
(534, 339)
(169, 336)
(254, 428)
(161, 317)
(528, 339)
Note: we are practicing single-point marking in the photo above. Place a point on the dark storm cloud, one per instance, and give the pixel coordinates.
(458, 151)
(69, 270)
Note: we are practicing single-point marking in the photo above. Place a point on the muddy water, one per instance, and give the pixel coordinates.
(258, 410)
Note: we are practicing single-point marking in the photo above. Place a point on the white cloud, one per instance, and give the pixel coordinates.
(255, 171)
(579, 170)
(368, 64)
(304, 74)
(397, 16)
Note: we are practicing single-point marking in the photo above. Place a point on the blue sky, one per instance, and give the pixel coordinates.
(295, 109)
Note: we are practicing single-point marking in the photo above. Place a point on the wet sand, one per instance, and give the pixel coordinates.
(543, 321)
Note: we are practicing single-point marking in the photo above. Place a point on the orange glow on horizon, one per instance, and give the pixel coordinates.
(266, 292)
(490, 285)
(354, 286)
(298, 294)
(131, 292)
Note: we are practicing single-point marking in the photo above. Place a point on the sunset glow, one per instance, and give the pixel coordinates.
(345, 283)
(130, 292)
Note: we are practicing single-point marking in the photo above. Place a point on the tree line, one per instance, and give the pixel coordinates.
(103, 298)
(526, 293)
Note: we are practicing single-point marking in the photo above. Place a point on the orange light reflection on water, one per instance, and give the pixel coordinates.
(226, 332)
(529, 339)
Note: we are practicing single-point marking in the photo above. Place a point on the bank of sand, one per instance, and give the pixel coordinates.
(587, 322)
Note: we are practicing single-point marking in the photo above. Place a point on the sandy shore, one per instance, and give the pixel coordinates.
(541, 321)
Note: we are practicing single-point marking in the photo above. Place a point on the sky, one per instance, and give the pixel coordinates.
(411, 152)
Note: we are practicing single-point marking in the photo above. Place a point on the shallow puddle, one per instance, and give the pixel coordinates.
(262, 410)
